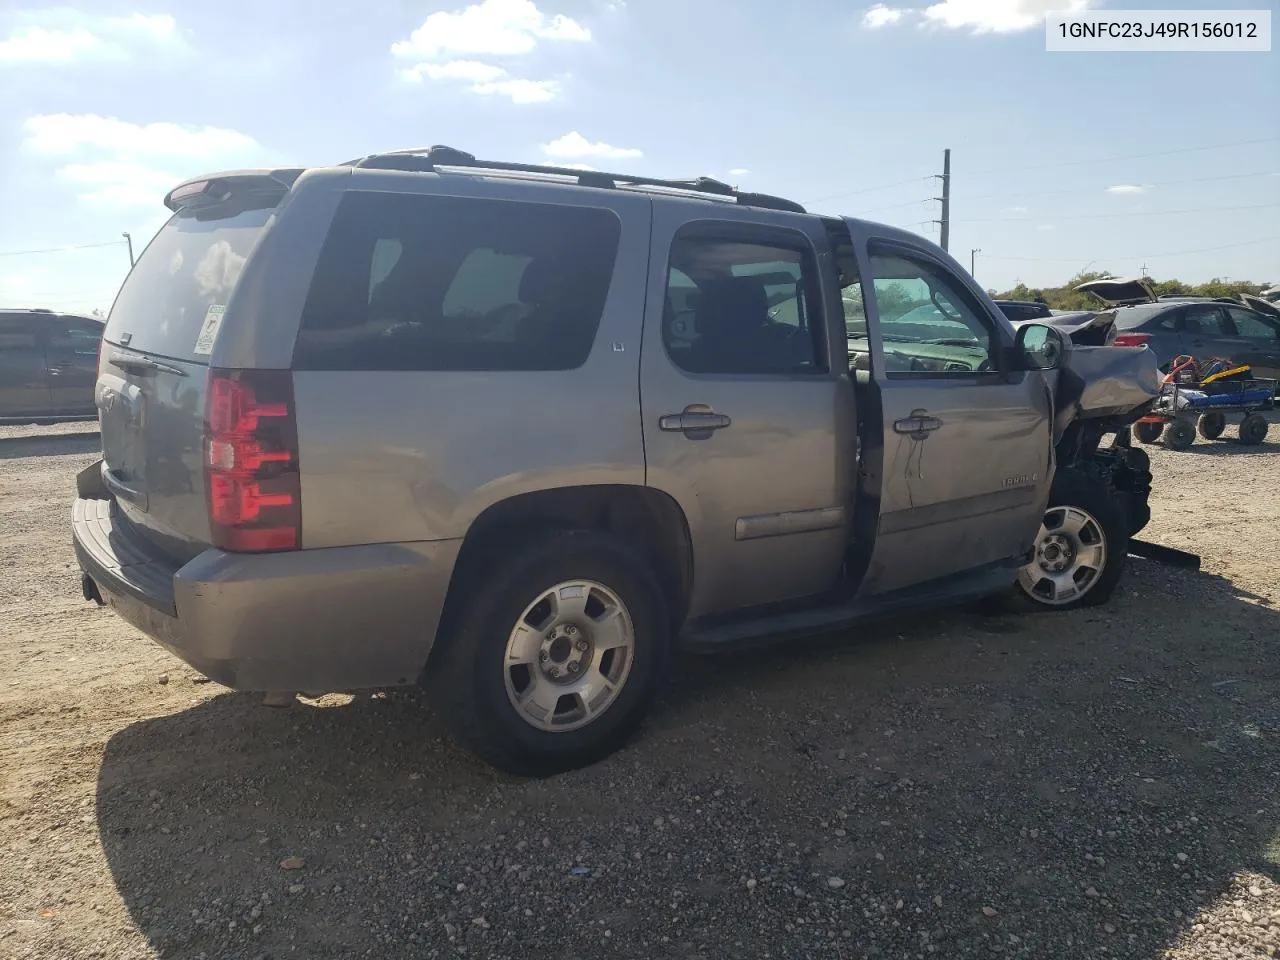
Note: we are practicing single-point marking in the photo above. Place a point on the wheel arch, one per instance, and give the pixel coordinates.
(649, 521)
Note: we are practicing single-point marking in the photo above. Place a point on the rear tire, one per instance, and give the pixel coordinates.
(1148, 432)
(1081, 547)
(1180, 434)
(515, 623)
(1211, 425)
(1253, 429)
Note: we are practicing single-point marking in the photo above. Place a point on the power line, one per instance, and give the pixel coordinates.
(1127, 215)
(856, 193)
(1070, 163)
(82, 246)
(1131, 156)
(1139, 256)
(1157, 183)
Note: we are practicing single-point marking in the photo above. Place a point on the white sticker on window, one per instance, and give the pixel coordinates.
(209, 330)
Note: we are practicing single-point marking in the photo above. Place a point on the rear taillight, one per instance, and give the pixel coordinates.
(1131, 339)
(251, 461)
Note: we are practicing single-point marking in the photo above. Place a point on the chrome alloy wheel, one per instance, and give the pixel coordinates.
(1070, 555)
(569, 655)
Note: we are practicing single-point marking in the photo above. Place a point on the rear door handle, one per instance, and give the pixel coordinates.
(919, 424)
(696, 421)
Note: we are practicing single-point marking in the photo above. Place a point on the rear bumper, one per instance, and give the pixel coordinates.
(341, 618)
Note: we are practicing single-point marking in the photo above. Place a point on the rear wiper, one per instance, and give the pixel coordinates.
(147, 365)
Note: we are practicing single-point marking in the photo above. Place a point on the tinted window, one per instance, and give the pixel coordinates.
(1250, 325)
(740, 307)
(928, 322)
(451, 283)
(80, 337)
(192, 264)
(17, 334)
(1023, 311)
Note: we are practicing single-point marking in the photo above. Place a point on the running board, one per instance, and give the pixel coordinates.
(778, 628)
(1162, 554)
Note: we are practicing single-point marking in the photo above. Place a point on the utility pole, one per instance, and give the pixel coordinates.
(129, 240)
(945, 199)
(973, 261)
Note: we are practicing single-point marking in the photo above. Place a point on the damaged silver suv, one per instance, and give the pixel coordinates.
(517, 432)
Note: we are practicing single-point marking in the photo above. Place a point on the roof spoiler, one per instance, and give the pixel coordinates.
(212, 189)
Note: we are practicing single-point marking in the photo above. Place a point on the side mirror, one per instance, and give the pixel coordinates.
(1039, 347)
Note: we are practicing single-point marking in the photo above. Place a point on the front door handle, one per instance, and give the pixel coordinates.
(918, 425)
(696, 421)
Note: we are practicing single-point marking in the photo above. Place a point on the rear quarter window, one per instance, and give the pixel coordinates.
(453, 283)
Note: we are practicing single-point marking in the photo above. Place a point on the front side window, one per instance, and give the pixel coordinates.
(457, 283)
(741, 307)
(928, 324)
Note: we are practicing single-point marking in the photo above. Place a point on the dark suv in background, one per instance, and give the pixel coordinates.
(48, 366)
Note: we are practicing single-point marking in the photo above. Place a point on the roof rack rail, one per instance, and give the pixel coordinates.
(428, 159)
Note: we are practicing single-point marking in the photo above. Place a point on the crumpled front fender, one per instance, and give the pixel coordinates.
(1105, 382)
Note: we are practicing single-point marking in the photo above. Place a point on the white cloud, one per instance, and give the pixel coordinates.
(64, 36)
(456, 70)
(61, 134)
(1126, 189)
(998, 16)
(574, 145)
(1017, 211)
(1045, 227)
(882, 16)
(117, 164)
(978, 16)
(443, 47)
(491, 27)
(485, 79)
(521, 91)
(739, 172)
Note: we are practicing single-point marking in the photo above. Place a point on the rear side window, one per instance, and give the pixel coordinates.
(452, 283)
(18, 335)
(193, 264)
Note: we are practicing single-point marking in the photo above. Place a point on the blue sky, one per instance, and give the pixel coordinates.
(845, 107)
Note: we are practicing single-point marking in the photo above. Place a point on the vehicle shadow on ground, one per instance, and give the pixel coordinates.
(1096, 777)
(1230, 447)
(52, 445)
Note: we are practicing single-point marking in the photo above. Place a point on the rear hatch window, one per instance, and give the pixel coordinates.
(152, 380)
(184, 278)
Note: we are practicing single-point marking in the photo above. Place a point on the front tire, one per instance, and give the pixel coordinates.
(1081, 547)
(551, 659)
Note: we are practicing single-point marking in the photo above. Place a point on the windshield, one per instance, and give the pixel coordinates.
(192, 265)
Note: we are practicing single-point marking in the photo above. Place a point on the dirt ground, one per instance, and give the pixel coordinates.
(1097, 783)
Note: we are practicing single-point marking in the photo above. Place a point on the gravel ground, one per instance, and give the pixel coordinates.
(1097, 783)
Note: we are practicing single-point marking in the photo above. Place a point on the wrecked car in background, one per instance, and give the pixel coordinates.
(1245, 330)
(602, 415)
